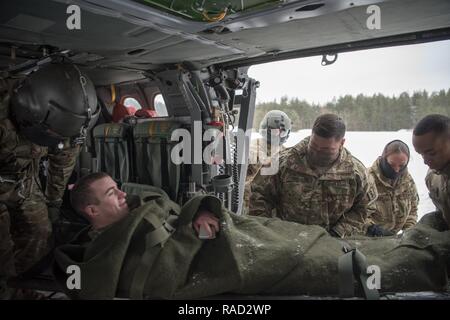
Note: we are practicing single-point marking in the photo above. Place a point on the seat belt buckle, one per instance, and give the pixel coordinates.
(168, 227)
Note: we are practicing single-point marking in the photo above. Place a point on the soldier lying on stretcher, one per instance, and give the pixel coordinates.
(148, 247)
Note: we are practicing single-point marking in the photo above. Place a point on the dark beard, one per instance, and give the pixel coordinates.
(318, 160)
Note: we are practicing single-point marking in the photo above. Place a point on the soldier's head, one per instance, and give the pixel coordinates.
(97, 197)
(394, 159)
(275, 123)
(54, 103)
(327, 140)
(431, 139)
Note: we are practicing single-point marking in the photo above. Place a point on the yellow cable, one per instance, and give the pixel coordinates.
(219, 17)
(113, 93)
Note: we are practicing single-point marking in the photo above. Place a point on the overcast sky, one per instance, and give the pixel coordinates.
(389, 71)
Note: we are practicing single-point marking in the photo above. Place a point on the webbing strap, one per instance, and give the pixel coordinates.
(361, 264)
(154, 241)
(345, 267)
(158, 236)
(353, 263)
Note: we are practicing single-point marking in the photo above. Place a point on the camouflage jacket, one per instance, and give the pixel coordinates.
(257, 158)
(396, 206)
(438, 184)
(19, 165)
(340, 199)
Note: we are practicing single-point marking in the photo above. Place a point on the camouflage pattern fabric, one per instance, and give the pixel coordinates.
(257, 158)
(339, 199)
(438, 183)
(61, 164)
(24, 223)
(250, 255)
(7, 268)
(396, 205)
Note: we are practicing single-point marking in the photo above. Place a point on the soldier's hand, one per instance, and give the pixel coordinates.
(377, 231)
(208, 222)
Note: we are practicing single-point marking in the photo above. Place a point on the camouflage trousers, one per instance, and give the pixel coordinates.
(25, 228)
(252, 170)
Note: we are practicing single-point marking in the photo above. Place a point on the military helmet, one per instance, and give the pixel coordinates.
(275, 119)
(55, 102)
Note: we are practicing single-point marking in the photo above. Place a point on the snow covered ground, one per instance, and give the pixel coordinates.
(367, 146)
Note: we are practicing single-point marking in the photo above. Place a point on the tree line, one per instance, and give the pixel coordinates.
(363, 113)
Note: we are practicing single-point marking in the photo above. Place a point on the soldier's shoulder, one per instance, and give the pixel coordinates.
(430, 175)
(287, 152)
(408, 178)
(432, 180)
(289, 156)
(358, 166)
(372, 170)
(357, 169)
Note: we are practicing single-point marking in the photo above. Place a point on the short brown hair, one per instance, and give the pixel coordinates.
(81, 194)
(329, 126)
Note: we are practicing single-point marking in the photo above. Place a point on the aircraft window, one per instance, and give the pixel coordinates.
(132, 102)
(160, 105)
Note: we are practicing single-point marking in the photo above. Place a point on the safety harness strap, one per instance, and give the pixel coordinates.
(154, 242)
(353, 264)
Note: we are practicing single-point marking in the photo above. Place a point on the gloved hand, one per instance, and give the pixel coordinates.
(377, 231)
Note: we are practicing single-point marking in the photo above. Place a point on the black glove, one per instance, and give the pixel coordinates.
(377, 231)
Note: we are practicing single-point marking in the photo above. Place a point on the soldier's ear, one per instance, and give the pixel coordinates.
(342, 142)
(91, 210)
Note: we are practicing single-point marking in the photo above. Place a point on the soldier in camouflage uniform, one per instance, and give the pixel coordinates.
(275, 122)
(319, 182)
(431, 138)
(42, 117)
(397, 193)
